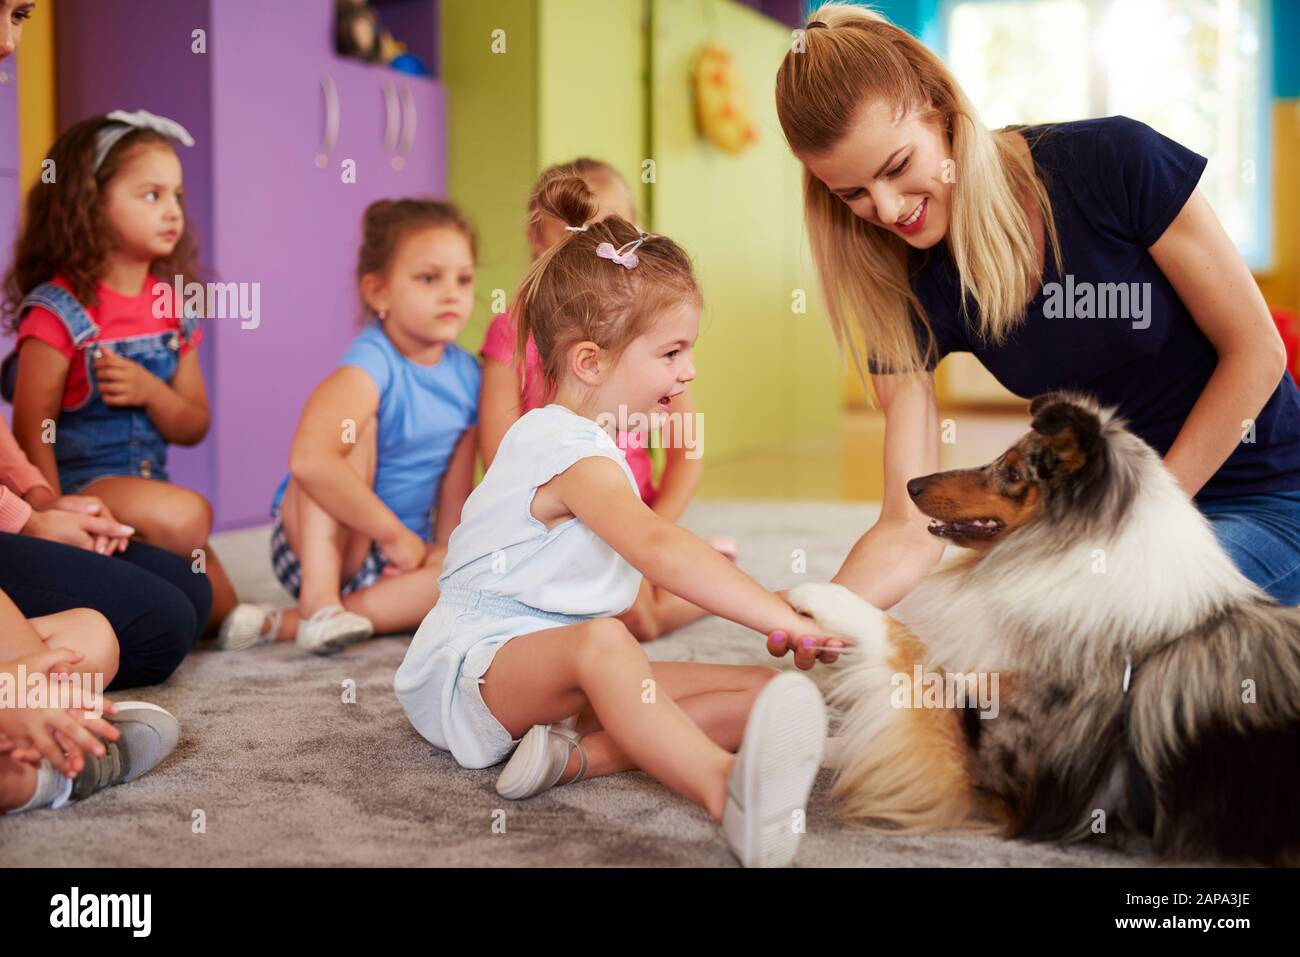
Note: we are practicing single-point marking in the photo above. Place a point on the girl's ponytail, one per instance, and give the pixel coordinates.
(567, 197)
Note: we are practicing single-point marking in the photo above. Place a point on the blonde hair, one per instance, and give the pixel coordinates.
(585, 168)
(821, 90)
(571, 295)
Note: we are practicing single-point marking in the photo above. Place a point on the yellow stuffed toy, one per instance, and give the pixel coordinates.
(721, 107)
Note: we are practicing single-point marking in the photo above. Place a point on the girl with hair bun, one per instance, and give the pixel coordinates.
(513, 386)
(525, 651)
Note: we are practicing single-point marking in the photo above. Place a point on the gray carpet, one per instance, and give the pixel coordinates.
(284, 773)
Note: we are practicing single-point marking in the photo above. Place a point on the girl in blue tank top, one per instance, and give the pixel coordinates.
(383, 458)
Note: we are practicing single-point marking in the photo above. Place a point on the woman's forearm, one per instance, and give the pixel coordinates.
(1222, 418)
(889, 560)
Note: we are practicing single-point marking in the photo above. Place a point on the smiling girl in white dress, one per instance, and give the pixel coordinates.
(523, 651)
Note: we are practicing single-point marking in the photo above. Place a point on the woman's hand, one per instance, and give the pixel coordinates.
(79, 529)
(93, 505)
(123, 382)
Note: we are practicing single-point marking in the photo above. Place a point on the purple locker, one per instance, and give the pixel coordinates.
(9, 115)
(275, 113)
(288, 217)
(9, 197)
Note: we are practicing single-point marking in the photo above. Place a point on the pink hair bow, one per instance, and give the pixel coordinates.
(625, 255)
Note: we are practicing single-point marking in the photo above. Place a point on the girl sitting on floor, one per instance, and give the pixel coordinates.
(383, 458)
(524, 650)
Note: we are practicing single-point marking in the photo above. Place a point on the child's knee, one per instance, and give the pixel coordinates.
(759, 675)
(104, 640)
(90, 633)
(187, 522)
(601, 637)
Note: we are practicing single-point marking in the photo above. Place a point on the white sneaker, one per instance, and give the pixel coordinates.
(331, 629)
(148, 735)
(540, 760)
(246, 626)
(774, 771)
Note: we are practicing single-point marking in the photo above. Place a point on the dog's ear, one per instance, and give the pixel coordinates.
(1071, 433)
(1042, 401)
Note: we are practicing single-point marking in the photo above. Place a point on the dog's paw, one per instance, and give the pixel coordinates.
(840, 612)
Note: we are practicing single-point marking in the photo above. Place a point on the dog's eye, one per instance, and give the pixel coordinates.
(1011, 475)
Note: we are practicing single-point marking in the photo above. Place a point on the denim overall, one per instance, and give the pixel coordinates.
(94, 440)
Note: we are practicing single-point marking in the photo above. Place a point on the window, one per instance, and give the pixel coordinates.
(1196, 70)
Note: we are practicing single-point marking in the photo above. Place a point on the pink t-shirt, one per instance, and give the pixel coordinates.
(117, 316)
(499, 344)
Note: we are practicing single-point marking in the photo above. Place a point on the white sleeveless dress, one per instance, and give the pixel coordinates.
(506, 575)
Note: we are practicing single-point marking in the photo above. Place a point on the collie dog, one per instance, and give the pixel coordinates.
(1095, 668)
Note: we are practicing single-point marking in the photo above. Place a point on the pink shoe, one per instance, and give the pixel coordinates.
(727, 546)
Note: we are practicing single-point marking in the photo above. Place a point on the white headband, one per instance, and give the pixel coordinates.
(123, 123)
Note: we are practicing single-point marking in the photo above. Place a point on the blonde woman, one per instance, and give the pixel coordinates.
(1076, 255)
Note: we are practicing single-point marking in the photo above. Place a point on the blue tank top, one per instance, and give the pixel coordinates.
(423, 411)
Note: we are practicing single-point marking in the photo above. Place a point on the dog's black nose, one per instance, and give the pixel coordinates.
(916, 486)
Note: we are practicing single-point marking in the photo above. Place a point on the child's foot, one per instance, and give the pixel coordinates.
(774, 771)
(148, 735)
(248, 625)
(539, 761)
(331, 629)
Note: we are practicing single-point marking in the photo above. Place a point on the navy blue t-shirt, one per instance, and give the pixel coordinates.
(1115, 185)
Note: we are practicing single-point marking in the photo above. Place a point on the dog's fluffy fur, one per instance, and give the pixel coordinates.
(1088, 561)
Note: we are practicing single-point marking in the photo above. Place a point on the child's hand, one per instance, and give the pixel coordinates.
(809, 644)
(61, 735)
(123, 382)
(405, 552)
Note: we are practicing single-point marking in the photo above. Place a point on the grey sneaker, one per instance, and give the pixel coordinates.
(148, 735)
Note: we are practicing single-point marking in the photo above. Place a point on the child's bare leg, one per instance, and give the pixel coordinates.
(172, 518)
(17, 783)
(398, 603)
(546, 676)
(657, 612)
(86, 632)
(329, 552)
(718, 698)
